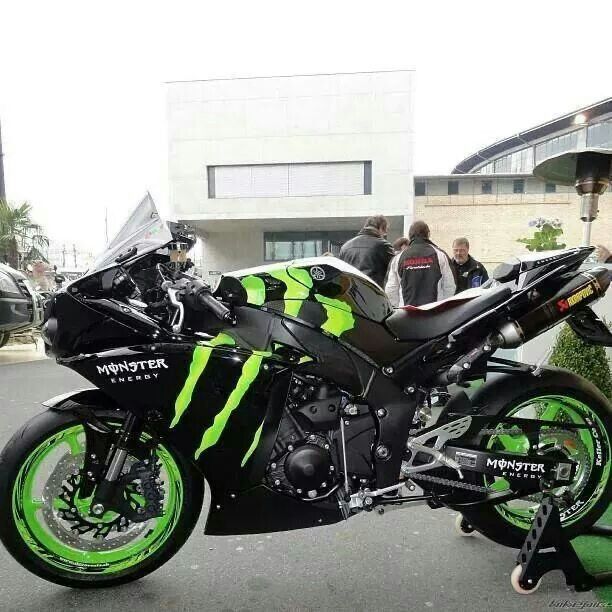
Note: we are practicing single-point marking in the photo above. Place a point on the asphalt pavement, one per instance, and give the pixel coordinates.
(406, 560)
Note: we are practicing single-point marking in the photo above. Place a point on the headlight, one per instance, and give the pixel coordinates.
(8, 285)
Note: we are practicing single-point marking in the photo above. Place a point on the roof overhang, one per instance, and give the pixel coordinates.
(532, 135)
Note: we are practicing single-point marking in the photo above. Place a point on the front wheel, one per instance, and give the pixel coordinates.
(563, 398)
(47, 526)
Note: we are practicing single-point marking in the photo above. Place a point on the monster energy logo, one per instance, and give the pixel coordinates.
(516, 469)
(112, 369)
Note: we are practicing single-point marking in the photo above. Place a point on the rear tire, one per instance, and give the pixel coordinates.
(37, 543)
(508, 527)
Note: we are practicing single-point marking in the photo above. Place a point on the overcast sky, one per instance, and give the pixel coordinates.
(82, 101)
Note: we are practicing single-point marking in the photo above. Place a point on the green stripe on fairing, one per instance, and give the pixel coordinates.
(199, 361)
(255, 288)
(253, 446)
(340, 317)
(250, 369)
(298, 285)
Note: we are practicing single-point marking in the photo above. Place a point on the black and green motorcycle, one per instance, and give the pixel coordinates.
(302, 398)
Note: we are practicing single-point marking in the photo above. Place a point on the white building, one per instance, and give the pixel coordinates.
(277, 168)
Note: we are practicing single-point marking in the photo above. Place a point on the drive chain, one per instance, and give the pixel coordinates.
(449, 483)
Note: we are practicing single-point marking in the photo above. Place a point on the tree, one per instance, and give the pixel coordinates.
(18, 230)
(545, 236)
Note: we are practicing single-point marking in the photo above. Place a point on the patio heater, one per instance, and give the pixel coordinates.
(589, 170)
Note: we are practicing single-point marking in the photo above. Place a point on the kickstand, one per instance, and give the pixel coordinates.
(534, 563)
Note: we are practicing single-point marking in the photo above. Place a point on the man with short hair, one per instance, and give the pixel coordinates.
(424, 269)
(393, 288)
(369, 251)
(469, 273)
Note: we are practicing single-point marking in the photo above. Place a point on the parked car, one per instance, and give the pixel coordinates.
(21, 307)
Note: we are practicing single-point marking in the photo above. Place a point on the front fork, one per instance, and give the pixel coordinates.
(106, 490)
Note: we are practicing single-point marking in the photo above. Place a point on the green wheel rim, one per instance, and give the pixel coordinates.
(593, 464)
(29, 505)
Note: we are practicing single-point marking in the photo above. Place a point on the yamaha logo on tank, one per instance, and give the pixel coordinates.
(317, 273)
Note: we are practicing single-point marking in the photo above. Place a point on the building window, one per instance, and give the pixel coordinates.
(502, 165)
(560, 144)
(420, 188)
(550, 188)
(600, 135)
(519, 162)
(486, 187)
(453, 187)
(518, 186)
(488, 168)
(290, 180)
(285, 246)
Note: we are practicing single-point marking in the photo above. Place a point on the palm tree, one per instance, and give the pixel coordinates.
(17, 229)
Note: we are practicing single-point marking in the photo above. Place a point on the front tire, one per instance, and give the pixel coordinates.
(38, 468)
(563, 397)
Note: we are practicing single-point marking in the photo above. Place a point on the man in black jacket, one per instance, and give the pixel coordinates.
(369, 252)
(424, 269)
(469, 273)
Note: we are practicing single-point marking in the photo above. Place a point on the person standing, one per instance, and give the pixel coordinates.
(424, 269)
(469, 273)
(393, 288)
(369, 251)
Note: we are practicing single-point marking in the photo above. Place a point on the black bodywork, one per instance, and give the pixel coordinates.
(313, 364)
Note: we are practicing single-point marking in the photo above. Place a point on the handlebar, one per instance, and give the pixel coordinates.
(222, 312)
(197, 296)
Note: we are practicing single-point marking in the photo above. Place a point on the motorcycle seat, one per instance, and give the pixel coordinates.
(420, 323)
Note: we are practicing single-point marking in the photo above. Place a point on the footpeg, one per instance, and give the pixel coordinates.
(439, 458)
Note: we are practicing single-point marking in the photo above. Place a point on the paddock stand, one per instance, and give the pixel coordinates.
(533, 563)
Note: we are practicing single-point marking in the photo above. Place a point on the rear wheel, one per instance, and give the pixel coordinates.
(586, 498)
(47, 525)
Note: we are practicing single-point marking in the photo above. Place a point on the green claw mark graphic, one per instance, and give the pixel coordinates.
(305, 359)
(255, 288)
(250, 369)
(199, 361)
(339, 316)
(296, 290)
(253, 446)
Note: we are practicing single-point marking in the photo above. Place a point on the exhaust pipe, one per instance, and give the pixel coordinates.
(582, 289)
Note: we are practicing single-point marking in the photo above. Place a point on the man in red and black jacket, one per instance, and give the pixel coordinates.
(424, 269)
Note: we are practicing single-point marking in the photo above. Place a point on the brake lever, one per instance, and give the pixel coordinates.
(180, 310)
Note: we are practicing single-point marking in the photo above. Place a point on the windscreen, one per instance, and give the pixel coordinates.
(144, 229)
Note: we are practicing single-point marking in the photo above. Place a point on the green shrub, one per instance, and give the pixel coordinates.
(545, 236)
(587, 360)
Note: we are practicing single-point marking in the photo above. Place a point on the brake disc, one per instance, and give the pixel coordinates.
(71, 524)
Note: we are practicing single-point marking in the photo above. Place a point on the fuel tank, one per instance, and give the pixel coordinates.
(290, 288)
(326, 293)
